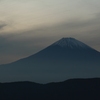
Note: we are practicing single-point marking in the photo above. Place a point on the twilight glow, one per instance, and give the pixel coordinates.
(27, 26)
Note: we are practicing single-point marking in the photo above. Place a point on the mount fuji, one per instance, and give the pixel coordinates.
(65, 59)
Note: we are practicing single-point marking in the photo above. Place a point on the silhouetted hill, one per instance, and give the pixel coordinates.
(64, 59)
(73, 89)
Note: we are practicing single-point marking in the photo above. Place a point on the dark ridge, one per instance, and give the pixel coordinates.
(73, 89)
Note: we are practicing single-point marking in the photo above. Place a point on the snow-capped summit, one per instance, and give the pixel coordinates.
(71, 43)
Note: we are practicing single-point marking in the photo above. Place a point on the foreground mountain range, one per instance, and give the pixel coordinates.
(73, 89)
(65, 59)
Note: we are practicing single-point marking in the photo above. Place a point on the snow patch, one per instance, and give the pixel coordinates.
(71, 43)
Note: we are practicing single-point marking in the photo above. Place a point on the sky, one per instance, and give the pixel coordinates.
(28, 26)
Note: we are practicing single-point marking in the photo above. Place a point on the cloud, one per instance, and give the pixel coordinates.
(19, 44)
(2, 24)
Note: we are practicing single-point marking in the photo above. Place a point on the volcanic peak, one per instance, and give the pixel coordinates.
(70, 42)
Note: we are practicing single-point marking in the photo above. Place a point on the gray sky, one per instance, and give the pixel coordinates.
(27, 26)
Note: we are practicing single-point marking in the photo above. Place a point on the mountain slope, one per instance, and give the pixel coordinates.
(64, 59)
